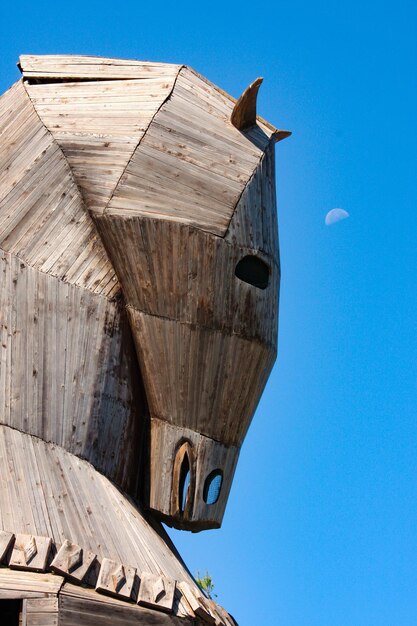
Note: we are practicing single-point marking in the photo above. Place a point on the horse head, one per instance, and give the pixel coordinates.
(178, 191)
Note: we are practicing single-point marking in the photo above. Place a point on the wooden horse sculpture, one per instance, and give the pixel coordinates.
(138, 320)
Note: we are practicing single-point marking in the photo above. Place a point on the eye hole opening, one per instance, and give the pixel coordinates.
(252, 270)
(212, 486)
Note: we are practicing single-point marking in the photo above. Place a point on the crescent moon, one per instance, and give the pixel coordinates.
(335, 215)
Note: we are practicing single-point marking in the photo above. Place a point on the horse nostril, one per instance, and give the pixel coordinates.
(212, 486)
(184, 483)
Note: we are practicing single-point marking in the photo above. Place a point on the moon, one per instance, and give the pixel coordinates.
(335, 215)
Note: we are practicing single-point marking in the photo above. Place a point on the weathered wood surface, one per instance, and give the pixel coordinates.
(82, 607)
(30, 553)
(192, 164)
(48, 492)
(43, 219)
(99, 124)
(73, 562)
(219, 332)
(188, 275)
(207, 610)
(129, 206)
(207, 456)
(156, 592)
(6, 541)
(254, 222)
(47, 601)
(24, 584)
(116, 579)
(61, 66)
(244, 112)
(68, 370)
(40, 612)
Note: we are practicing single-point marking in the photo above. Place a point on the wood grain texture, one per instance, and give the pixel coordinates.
(128, 201)
(207, 456)
(116, 579)
(212, 381)
(156, 592)
(61, 66)
(24, 584)
(254, 222)
(98, 125)
(47, 491)
(192, 165)
(6, 540)
(199, 605)
(188, 275)
(68, 371)
(73, 562)
(30, 553)
(244, 112)
(206, 340)
(83, 607)
(43, 219)
(41, 612)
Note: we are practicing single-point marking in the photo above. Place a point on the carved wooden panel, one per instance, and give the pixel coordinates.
(30, 552)
(116, 579)
(72, 561)
(156, 592)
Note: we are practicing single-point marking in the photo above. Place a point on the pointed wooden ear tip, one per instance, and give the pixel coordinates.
(281, 134)
(244, 112)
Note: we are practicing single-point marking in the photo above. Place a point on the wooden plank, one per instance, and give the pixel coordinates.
(41, 612)
(26, 582)
(189, 276)
(156, 592)
(90, 67)
(83, 607)
(42, 605)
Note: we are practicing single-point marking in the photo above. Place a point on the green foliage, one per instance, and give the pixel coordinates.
(206, 584)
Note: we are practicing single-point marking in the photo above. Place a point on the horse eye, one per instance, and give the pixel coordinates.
(251, 269)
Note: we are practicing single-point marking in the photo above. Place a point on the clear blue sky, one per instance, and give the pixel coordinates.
(321, 524)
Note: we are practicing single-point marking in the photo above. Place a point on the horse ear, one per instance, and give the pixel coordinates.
(244, 113)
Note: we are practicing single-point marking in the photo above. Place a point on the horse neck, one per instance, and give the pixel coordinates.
(68, 371)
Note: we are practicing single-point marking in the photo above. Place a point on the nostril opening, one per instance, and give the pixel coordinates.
(184, 482)
(212, 486)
